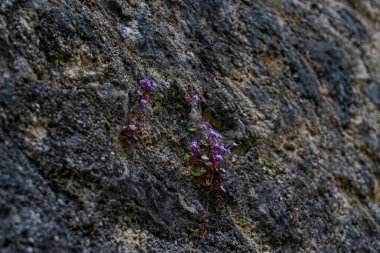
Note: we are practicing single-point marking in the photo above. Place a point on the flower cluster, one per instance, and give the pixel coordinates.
(207, 154)
(132, 130)
(143, 91)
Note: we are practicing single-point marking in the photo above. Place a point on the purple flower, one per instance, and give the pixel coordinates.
(148, 84)
(195, 98)
(153, 85)
(214, 134)
(143, 102)
(220, 147)
(233, 145)
(145, 82)
(194, 147)
(218, 157)
(204, 123)
(228, 150)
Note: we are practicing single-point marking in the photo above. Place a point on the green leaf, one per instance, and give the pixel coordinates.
(196, 172)
(205, 157)
(191, 127)
(203, 142)
(187, 157)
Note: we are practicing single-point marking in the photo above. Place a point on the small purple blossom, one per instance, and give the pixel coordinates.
(220, 147)
(195, 98)
(230, 147)
(145, 83)
(218, 157)
(214, 134)
(204, 123)
(233, 145)
(194, 147)
(153, 85)
(148, 84)
(143, 102)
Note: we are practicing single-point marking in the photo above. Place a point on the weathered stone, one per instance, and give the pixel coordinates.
(295, 83)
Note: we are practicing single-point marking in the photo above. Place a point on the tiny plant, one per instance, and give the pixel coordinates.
(145, 90)
(132, 130)
(207, 154)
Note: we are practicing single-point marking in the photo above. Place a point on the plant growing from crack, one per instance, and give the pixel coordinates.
(145, 90)
(207, 154)
(206, 158)
(131, 131)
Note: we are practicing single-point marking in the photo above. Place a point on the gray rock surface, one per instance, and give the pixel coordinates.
(294, 82)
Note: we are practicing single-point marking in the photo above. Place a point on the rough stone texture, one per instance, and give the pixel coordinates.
(296, 83)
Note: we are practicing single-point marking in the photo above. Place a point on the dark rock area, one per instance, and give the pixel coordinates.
(295, 83)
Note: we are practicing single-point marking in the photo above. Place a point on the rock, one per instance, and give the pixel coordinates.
(372, 90)
(295, 84)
